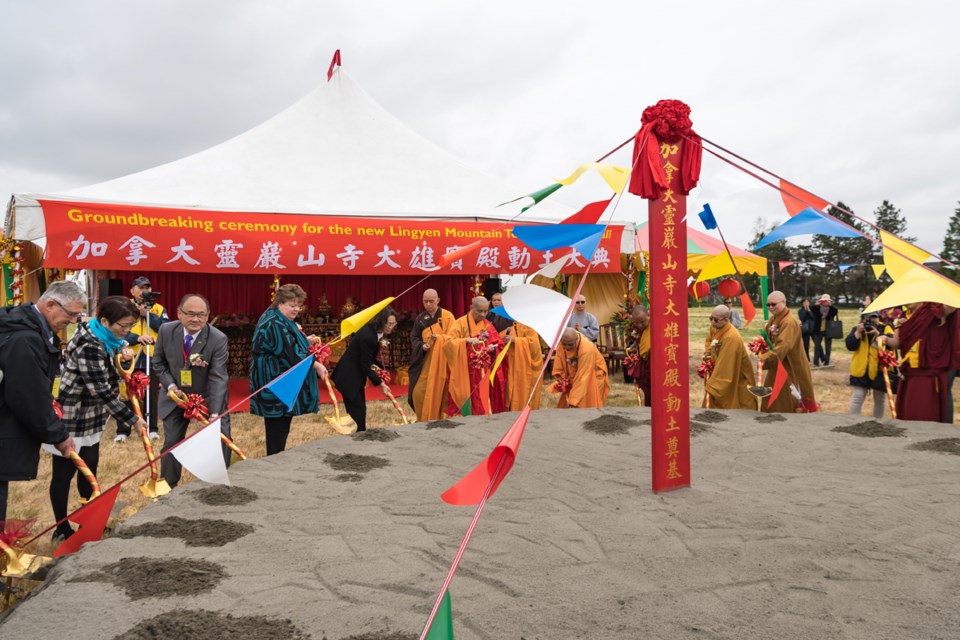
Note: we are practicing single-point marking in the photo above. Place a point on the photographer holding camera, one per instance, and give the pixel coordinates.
(865, 373)
(141, 338)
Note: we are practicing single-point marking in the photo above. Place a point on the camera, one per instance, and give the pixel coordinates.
(149, 298)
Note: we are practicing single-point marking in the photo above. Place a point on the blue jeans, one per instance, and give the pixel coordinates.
(821, 349)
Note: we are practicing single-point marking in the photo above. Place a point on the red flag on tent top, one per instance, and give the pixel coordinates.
(334, 63)
(796, 199)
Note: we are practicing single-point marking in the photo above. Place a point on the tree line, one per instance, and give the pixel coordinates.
(851, 286)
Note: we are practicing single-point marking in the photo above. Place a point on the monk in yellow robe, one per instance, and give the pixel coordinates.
(579, 372)
(728, 384)
(524, 360)
(470, 337)
(787, 338)
(427, 390)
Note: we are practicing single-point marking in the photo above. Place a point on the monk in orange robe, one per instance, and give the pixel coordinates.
(785, 334)
(728, 384)
(524, 361)
(427, 388)
(579, 372)
(470, 337)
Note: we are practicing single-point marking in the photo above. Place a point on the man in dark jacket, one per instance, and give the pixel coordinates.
(29, 362)
(356, 366)
(823, 315)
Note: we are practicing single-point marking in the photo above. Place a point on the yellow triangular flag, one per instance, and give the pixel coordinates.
(878, 270)
(351, 325)
(721, 265)
(615, 177)
(898, 265)
(918, 285)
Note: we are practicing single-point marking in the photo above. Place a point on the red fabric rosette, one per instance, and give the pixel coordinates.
(887, 359)
(630, 361)
(137, 385)
(705, 368)
(564, 385)
(666, 122)
(758, 345)
(480, 358)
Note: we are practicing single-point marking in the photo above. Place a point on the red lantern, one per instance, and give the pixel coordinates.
(728, 288)
(698, 289)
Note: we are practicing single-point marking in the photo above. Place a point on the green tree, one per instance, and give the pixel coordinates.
(853, 284)
(951, 245)
(889, 218)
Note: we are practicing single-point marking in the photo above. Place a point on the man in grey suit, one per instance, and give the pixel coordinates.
(190, 356)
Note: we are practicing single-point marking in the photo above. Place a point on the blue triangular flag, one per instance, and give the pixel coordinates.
(807, 222)
(706, 217)
(588, 246)
(287, 385)
(501, 311)
(844, 267)
(554, 236)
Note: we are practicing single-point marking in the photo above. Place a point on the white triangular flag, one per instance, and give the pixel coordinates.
(202, 455)
(543, 310)
(552, 269)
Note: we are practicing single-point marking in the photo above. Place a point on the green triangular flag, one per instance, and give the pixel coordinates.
(466, 409)
(442, 627)
(542, 194)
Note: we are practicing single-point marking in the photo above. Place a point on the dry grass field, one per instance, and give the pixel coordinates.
(30, 499)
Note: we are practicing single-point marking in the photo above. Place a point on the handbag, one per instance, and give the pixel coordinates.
(834, 329)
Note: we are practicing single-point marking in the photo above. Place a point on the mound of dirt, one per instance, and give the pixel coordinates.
(352, 462)
(940, 445)
(443, 424)
(696, 428)
(872, 429)
(610, 425)
(220, 495)
(185, 624)
(195, 533)
(711, 417)
(158, 578)
(376, 435)
(349, 477)
(767, 418)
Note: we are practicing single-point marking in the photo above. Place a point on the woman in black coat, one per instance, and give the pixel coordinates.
(356, 365)
(824, 314)
(805, 316)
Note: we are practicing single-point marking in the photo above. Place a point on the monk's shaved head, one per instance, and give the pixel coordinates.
(639, 311)
(479, 308)
(776, 297)
(432, 294)
(721, 311)
(431, 301)
(569, 338)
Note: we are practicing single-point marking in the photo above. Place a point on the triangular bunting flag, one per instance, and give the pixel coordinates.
(502, 312)
(615, 177)
(544, 310)
(749, 312)
(896, 264)
(452, 256)
(918, 285)
(588, 246)
(555, 236)
(472, 487)
(202, 455)
(552, 269)
(442, 626)
(796, 199)
(499, 360)
(783, 264)
(808, 222)
(719, 265)
(92, 518)
(351, 325)
(706, 217)
(590, 214)
(467, 408)
(287, 385)
(878, 270)
(778, 382)
(844, 267)
(536, 196)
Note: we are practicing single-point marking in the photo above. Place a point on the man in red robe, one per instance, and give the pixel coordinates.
(471, 349)
(929, 343)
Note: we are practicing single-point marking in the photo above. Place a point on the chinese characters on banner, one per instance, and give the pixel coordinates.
(122, 237)
(669, 364)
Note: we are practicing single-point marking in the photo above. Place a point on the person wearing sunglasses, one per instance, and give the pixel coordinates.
(783, 331)
(29, 362)
(584, 321)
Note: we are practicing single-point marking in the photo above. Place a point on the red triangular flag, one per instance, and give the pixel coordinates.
(334, 63)
(796, 199)
(471, 488)
(590, 214)
(458, 254)
(778, 382)
(92, 518)
(749, 313)
(484, 390)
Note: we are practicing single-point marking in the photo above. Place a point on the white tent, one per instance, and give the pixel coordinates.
(335, 152)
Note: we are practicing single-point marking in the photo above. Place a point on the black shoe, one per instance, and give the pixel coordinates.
(62, 534)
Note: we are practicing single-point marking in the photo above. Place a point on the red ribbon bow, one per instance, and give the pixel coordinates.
(705, 368)
(630, 361)
(385, 376)
(57, 409)
(137, 385)
(758, 345)
(194, 407)
(564, 385)
(888, 359)
(14, 530)
(321, 352)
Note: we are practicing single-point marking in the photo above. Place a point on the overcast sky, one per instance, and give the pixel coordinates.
(856, 101)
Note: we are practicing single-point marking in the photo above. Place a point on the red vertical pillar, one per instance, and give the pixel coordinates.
(669, 363)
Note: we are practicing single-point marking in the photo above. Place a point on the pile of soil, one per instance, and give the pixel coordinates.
(349, 477)
(185, 624)
(220, 495)
(767, 418)
(941, 445)
(384, 635)
(195, 533)
(610, 425)
(158, 578)
(872, 429)
(443, 424)
(711, 417)
(696, 428)
(376, 435)
(352, 462)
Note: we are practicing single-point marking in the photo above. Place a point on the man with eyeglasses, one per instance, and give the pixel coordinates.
(584, 321)
(784, 332)
(29, 362)
(141, 339)
(728, 384)
(191, 356)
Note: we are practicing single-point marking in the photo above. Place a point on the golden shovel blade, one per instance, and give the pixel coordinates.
(24, 565)
(760, 392)
(345, 425)
(155, 488)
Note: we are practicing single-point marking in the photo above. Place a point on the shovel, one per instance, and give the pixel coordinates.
(760, 391)
(346, 425)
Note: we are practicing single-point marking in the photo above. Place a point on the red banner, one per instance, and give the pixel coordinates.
(103, 237)
(669, 364)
